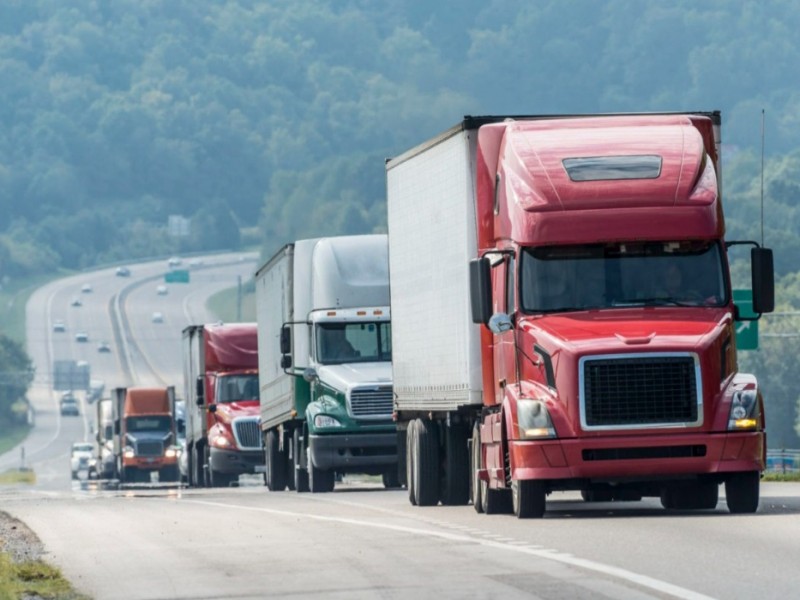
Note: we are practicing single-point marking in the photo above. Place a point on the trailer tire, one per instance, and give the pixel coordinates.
(475, 465)
(529, 498)
(411, 433)
(299, 474)
(742, 491)
(274, 462)
(426, 464)
(456, 478)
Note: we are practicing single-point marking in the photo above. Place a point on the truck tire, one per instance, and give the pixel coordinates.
(274, 462)
(402, 468)
(198, 477)
(411, 432)
(497, 501)
(456, 479)
(474, 467)
(391, 480)
(220, 479)
(426, 463)
(320, 481)
(300, 474)
(169, 474)
(702, 495)
(288, 440)
(742, 491)
(528, 498)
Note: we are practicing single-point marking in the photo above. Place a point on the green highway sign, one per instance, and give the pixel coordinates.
(177, 276)
(746, 331)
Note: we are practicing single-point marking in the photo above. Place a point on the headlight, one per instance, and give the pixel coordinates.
(326, 421)
(534, 420)
(745, 411)
(222, 442)
(172, 452)
(128, 452)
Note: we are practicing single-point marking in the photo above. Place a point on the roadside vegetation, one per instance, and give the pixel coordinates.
(225, 304)
(33, 579)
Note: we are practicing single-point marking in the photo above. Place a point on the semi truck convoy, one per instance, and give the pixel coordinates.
(145, 439)
(563, 318)
(220, 367)
(324, 348)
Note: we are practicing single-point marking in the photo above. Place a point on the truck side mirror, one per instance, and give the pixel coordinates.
(286, 362)
(480, 290)
(199, 391)
(286, 340)
(763, 281)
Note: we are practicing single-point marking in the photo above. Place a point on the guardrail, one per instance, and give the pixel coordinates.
(783, 461)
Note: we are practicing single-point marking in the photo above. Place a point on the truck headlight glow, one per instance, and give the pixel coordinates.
(221, 442)
(128, 452)
(745, 412)
(534, 420)
(172, 452)
(326, 421)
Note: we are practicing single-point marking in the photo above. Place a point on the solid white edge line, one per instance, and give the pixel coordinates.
(554, 555)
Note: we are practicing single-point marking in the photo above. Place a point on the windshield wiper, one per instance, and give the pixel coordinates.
(654, 301)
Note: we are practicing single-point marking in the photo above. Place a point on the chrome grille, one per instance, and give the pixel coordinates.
(644, 390)
(149, 448)
(247, 432)
(371, 402)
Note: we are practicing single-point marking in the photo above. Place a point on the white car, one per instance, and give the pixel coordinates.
(81, 336)
(81, 458)
(86, 288)
(174, 261)
(59, 326)
(161, 290)
(157, 317)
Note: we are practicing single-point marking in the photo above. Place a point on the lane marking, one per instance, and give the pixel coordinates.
(548, 554)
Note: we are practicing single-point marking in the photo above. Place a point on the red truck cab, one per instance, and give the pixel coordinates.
(608, 347)
(223, 437)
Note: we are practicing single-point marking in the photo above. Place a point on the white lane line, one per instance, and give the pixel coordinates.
(554, 555)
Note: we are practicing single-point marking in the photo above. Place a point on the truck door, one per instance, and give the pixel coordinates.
(503, 298)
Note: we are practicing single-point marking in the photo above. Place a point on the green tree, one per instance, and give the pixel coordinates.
(16, 375)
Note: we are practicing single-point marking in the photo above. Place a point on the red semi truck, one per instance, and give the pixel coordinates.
(223, 436)
(571, 325)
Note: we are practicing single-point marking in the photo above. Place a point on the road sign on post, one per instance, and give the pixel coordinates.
(746, 331)
(177, 276)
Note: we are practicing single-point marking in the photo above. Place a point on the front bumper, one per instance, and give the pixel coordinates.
(149, 463)
(352, 451)
(234, 462)
(638, 457)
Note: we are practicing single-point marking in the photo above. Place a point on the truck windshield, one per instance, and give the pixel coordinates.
(354, 342)
(670, 273)
(235, 388)
(154, 423)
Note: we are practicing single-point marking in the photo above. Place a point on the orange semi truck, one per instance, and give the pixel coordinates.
(563, 318)
(145, 439)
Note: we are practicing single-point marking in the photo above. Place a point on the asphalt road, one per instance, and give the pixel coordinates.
(360, 541)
